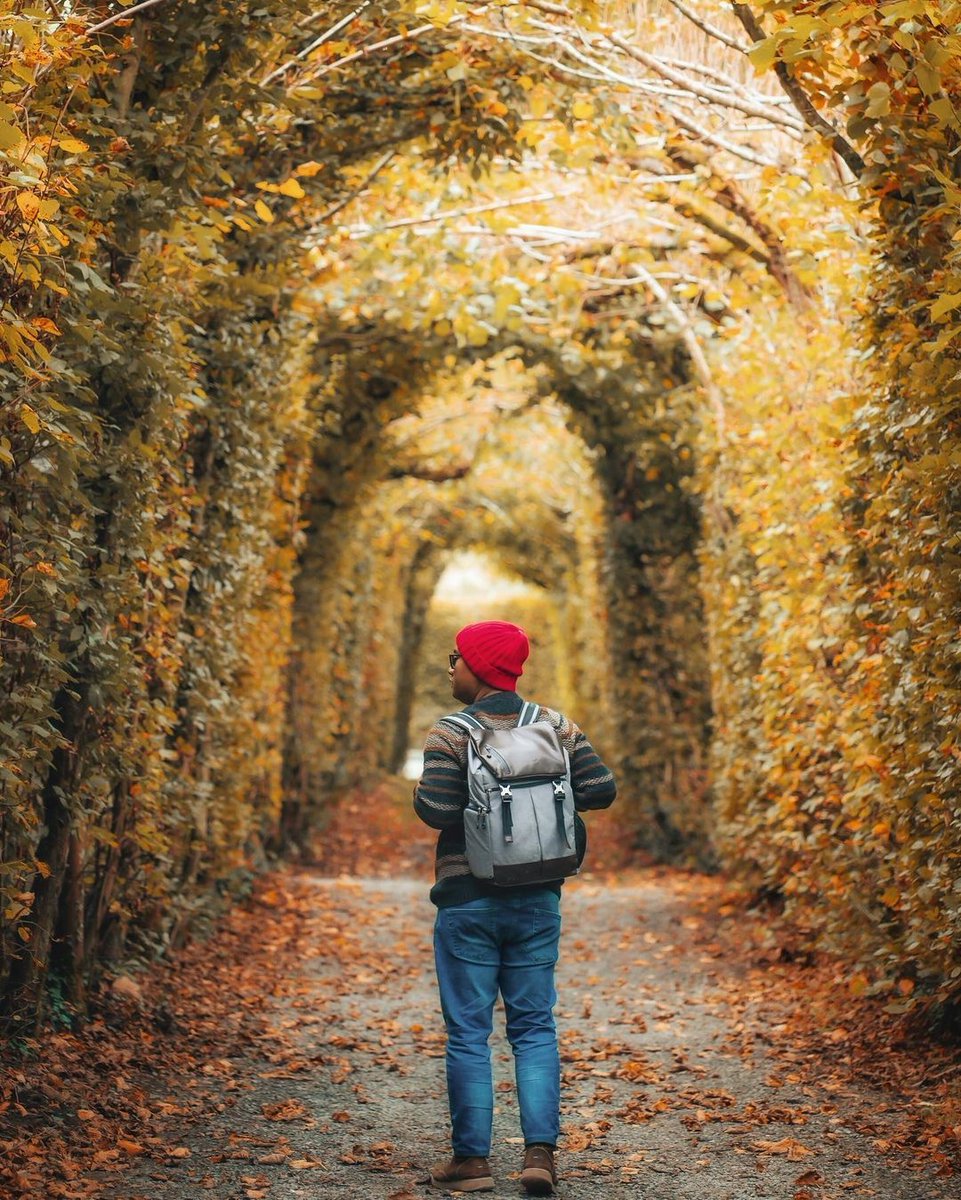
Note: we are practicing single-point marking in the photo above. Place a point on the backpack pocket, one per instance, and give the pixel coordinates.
(478, 836)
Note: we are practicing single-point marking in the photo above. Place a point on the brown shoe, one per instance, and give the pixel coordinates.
(539, 1175)
(463, 1175)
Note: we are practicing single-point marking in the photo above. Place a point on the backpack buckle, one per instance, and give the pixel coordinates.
(558, 789)
(506, 793)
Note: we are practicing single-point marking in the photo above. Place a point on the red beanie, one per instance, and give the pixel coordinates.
(495, 651)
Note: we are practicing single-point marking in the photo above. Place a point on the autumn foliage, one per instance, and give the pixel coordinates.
(298, 298)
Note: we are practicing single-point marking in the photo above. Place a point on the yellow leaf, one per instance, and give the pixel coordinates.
(263, 212)
(890, 897)
(10, 136)
(290, 187)
(72, 145)
(29, 205)
(582, 109)
(309, 168)
(29, 418)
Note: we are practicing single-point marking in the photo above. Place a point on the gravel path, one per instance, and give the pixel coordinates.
(677, 1083)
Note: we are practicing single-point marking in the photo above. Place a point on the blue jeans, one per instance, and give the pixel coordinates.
(510, 944)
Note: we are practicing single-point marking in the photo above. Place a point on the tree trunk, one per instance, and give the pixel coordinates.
(22, 1005)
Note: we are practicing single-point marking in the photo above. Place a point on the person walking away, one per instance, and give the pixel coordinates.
(490, 938)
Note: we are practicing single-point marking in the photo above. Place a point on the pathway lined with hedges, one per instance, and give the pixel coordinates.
(696, 1060)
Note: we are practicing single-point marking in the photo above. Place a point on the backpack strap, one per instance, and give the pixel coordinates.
(468, 721)
(463, 721)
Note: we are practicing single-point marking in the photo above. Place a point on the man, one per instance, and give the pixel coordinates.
(488, 937)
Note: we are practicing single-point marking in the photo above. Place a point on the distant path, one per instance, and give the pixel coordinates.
(683, 1077)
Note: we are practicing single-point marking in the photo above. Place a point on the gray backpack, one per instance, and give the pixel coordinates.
(519, 819)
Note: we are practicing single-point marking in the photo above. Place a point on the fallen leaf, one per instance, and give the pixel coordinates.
(794, 1150)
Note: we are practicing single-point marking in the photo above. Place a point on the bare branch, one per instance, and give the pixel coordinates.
(122, 16)
(449, 214)
(367, 51)
(317, 42)
(715, 95)
(689, 337)
(715, 139)
(709, 29)
(800, 98)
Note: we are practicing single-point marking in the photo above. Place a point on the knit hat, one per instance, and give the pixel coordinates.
(495, 651)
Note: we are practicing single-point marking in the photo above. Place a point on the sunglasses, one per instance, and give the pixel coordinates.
(452, 659)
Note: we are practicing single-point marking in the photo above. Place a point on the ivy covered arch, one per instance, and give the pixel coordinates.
(605, 515)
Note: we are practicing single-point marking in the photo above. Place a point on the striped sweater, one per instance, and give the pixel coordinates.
(441, 794)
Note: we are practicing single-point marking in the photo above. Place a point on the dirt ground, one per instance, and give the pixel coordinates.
(299, 1053)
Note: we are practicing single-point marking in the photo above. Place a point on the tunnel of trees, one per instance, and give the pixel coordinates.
(659, 305)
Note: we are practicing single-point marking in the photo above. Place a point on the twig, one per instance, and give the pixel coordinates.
(341, 204)
(122, 16)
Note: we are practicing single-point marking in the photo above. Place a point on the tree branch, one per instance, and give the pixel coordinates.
(430, 474)
(727, 196)
(802, 102)
(130, 67)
